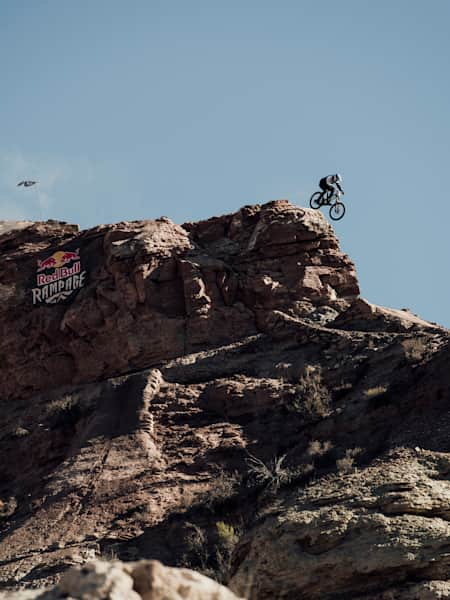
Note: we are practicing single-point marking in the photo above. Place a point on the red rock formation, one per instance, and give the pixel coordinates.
(177, 405)
(156, 291)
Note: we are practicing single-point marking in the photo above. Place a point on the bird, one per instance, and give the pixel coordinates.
(26, 183)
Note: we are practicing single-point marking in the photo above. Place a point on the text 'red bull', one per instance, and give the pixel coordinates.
(59, 273)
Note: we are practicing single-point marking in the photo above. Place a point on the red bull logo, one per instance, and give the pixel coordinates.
(58, 259)
(58, 276)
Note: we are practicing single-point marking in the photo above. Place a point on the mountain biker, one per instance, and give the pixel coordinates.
(330, 183)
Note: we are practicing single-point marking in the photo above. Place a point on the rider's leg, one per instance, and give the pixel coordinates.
(329, 193)
(325, 188)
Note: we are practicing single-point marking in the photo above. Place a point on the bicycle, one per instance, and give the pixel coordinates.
(337, 210)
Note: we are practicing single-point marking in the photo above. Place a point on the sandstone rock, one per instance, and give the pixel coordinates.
(369, 317)
(153, 581)
(344, 537)
(96, 580)
(6, 226)
(146, 580)
(182, 288)
(129, 412)
(430, 590)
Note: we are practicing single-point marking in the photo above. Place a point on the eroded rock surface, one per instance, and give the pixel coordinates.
(144, 580)
(218, 396)
(356, 534)
(156, 290)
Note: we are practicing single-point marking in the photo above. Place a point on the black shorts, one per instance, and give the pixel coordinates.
(324, 186)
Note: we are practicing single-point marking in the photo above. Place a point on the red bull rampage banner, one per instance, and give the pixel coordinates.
(58, 277)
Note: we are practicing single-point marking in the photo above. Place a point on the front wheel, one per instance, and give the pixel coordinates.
(316, 200)
(337, 211)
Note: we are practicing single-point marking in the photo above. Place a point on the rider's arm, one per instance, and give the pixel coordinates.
(340, 189)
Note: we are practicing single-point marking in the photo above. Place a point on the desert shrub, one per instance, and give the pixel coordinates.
(8, 507)
(66, 411)
(210, 554)
(196, 546)
(347, 462)
(225, 486)
(318, 448)
(58, 405)
(226, 533)
(269, 475)
(226, 542)
(312, 398)
(20, 432)
(415, 348)
(373, 392)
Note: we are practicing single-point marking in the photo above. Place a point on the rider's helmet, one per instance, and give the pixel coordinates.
(337, 177)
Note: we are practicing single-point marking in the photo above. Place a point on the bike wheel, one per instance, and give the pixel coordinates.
(316, 200)
(337, 211)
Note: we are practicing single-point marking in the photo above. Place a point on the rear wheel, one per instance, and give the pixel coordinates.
(316, 200)
(337, 211)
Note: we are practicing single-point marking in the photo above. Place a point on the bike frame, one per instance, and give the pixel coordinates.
(329, 196)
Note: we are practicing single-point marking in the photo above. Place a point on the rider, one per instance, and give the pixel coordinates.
(327, 184)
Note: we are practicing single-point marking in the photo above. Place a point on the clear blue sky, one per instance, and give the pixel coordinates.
(141, 108)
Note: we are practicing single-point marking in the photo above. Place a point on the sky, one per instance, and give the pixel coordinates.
(134, 109)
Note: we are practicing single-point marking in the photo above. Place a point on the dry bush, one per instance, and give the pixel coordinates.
(20, 432)
(269, 475)
(67, 410)
(58, 405)
(347, 463)
(226, 533)
(5, 508)
(313, 398)
(375, 391)
(318, 448)
(197, 546)
(227, 540)
(211, 556)
(415, 348)
(225, 486)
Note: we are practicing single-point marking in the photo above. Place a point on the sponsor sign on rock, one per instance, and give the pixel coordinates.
(58, 277)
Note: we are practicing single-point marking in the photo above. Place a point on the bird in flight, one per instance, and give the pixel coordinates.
(26, 183)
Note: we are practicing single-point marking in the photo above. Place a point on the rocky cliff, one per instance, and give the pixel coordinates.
(217, 395)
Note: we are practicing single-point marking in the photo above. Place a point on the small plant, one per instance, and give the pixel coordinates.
(313, 398)
(318, 448)
(195, 537)
(375, 391)
(226, 533)
(347, 463)
(271, 475)
(415, 349)
(210, 552)
(197, 546)
(223, 487)
(20, 432)
(60, 404)
(7, 507)
(64, 411)
(227, 540)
